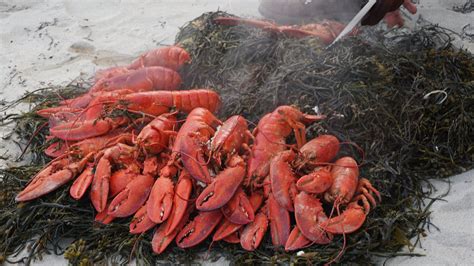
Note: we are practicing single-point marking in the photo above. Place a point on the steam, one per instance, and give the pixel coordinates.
(305, 11)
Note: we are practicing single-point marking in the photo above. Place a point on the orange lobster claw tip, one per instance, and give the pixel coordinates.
(160, 203)
(233, 238)
(225, 229)
(279, 222)
(99, 192)
(296, 240)
(52, 177)
(79, 130)
(132, 197)
(309, 214)
(253, 233)
(180, 204)
(199, 229)
(161, 240)
(283, 180)
(104, 218)
(140, 222)
(82, 183)
(316, 182)
(222, 189)
(348, 222)
(239, 210)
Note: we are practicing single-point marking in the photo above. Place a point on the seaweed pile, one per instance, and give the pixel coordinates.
(406, 98)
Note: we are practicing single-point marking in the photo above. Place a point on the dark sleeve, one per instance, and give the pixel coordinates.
(382, 7)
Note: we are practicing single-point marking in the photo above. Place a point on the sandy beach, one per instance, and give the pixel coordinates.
(55, 42)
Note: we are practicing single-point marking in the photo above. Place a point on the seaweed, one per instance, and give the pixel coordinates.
(467, 7)
(407, 98)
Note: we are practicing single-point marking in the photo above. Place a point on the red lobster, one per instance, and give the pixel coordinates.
(327, 31)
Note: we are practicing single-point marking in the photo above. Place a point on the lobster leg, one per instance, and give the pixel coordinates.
(365, 188)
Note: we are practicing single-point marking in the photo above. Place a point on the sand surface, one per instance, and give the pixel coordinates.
(54, 42)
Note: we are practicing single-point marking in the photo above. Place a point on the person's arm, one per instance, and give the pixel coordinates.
(388, 9)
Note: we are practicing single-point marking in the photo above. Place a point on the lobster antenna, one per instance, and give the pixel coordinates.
(359, 148)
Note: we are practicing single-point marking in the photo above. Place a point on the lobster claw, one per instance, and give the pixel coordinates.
(56, 149)
(160, 203)
(193, 159)
(239, 210)
(100, 185)
(349, 221)
(141, 222)
(223, 187)
(103, 217)
(253, 233)
(279, 222)
(180, 202)
(120, 179)
(296, 240)
(132, 197)
(161, 239)
(199, 229)
(283, 180)
(309, 214)
(316, 182)
(52, 177)
(82, 182)
(227, 227)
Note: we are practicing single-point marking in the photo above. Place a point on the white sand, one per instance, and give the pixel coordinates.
(54, 42)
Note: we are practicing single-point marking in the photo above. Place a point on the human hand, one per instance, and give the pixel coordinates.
(394, 18)
(390, 10)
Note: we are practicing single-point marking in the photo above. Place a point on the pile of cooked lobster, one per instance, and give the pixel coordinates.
(179, 169)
